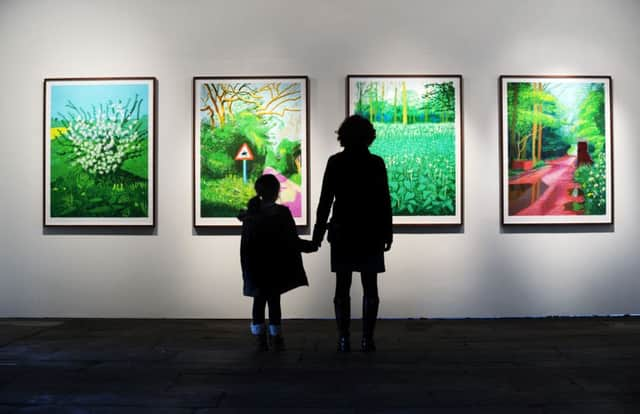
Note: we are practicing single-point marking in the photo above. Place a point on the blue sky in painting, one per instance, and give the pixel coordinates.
(86, 96)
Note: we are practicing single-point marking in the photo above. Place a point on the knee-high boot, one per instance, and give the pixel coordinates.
(369, 317)
(342, 308)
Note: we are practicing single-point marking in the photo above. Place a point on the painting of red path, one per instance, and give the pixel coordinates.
(290, 192)
(556, 199)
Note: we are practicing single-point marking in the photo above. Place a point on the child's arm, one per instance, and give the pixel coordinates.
(307, 246)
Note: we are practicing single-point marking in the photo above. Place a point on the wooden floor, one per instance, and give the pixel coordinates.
(555, 365)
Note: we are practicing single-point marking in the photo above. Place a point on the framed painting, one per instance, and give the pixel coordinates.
(418, 122)
(99, 151)
(245, 127)
(556, 149)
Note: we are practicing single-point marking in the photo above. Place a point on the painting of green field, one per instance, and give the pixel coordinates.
(418, 134)
(245, 128)
(98, 152)
(556, 150)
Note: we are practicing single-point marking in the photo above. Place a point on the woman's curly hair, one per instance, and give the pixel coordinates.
(356, 131)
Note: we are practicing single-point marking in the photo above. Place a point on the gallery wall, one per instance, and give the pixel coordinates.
(481, 269)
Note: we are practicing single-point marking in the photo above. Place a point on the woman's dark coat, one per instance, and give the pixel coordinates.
(355, 182)
(270, 252)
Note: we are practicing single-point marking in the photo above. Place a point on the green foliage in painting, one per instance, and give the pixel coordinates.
(394, 101)
(99, 165)
(590, 124)
(284, 158)
(220, 145)
(106, 137)
(592, 180)
(225, 197)
(533, 110)
(421, 165)
(415, 135)
(546, 121)
(252, 113)
(440, 101)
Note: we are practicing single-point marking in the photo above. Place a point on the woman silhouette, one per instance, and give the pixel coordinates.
(355, 183)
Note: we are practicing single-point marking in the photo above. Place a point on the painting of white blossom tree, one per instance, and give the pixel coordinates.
(99, 145)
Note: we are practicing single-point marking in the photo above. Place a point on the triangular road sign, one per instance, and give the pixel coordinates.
(244, 153)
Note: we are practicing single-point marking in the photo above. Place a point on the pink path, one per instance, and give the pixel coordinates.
(555, 201)
(290, 192)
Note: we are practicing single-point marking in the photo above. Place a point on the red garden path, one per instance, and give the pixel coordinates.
(557, 198)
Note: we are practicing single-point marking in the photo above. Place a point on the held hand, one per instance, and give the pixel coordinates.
(309, 246)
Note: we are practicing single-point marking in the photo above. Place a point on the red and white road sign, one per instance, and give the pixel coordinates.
(244, 153)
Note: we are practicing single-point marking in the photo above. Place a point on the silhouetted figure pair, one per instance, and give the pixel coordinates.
(360, 231)
(355, 183)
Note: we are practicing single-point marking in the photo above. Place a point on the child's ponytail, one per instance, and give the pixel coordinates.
(253, 206)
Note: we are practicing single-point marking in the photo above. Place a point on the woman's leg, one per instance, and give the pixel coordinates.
(370, 304)
(343, 285)
(342, 306)
(370, 285)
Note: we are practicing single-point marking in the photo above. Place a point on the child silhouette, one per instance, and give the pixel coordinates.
(270, 258)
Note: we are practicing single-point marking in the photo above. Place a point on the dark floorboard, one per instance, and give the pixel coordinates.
(553, 365)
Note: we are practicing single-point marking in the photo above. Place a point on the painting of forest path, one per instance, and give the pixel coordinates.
(557, 148)
(267, 116)
(418, 134)
(98, 152)
(550, 190)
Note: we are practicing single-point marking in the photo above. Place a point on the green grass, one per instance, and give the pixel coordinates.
(77, 193)
(421, 165)
(225, 197)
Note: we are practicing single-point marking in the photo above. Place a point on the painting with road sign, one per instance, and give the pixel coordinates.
(556, 150)
(244, 128)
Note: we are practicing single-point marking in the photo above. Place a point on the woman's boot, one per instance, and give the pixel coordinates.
(342, 308)
(369, 317)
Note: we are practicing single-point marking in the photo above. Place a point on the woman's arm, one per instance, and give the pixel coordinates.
(324, 205)
(386, 210)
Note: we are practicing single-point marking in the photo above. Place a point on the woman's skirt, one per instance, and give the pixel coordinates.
(349, 258)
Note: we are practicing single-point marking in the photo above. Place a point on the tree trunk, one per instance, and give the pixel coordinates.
(514, 119)
(404, 103)
(534, 130)
(534, 134)
(381, 112)
(371, 103)
(395, 103)
(540, 128)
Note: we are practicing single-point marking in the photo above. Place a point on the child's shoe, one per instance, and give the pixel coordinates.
(260, 333)
(276, 340)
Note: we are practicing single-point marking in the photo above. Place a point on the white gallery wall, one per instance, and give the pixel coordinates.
(481, 270)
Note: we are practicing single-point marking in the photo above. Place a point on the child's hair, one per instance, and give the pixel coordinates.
(267, 189)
